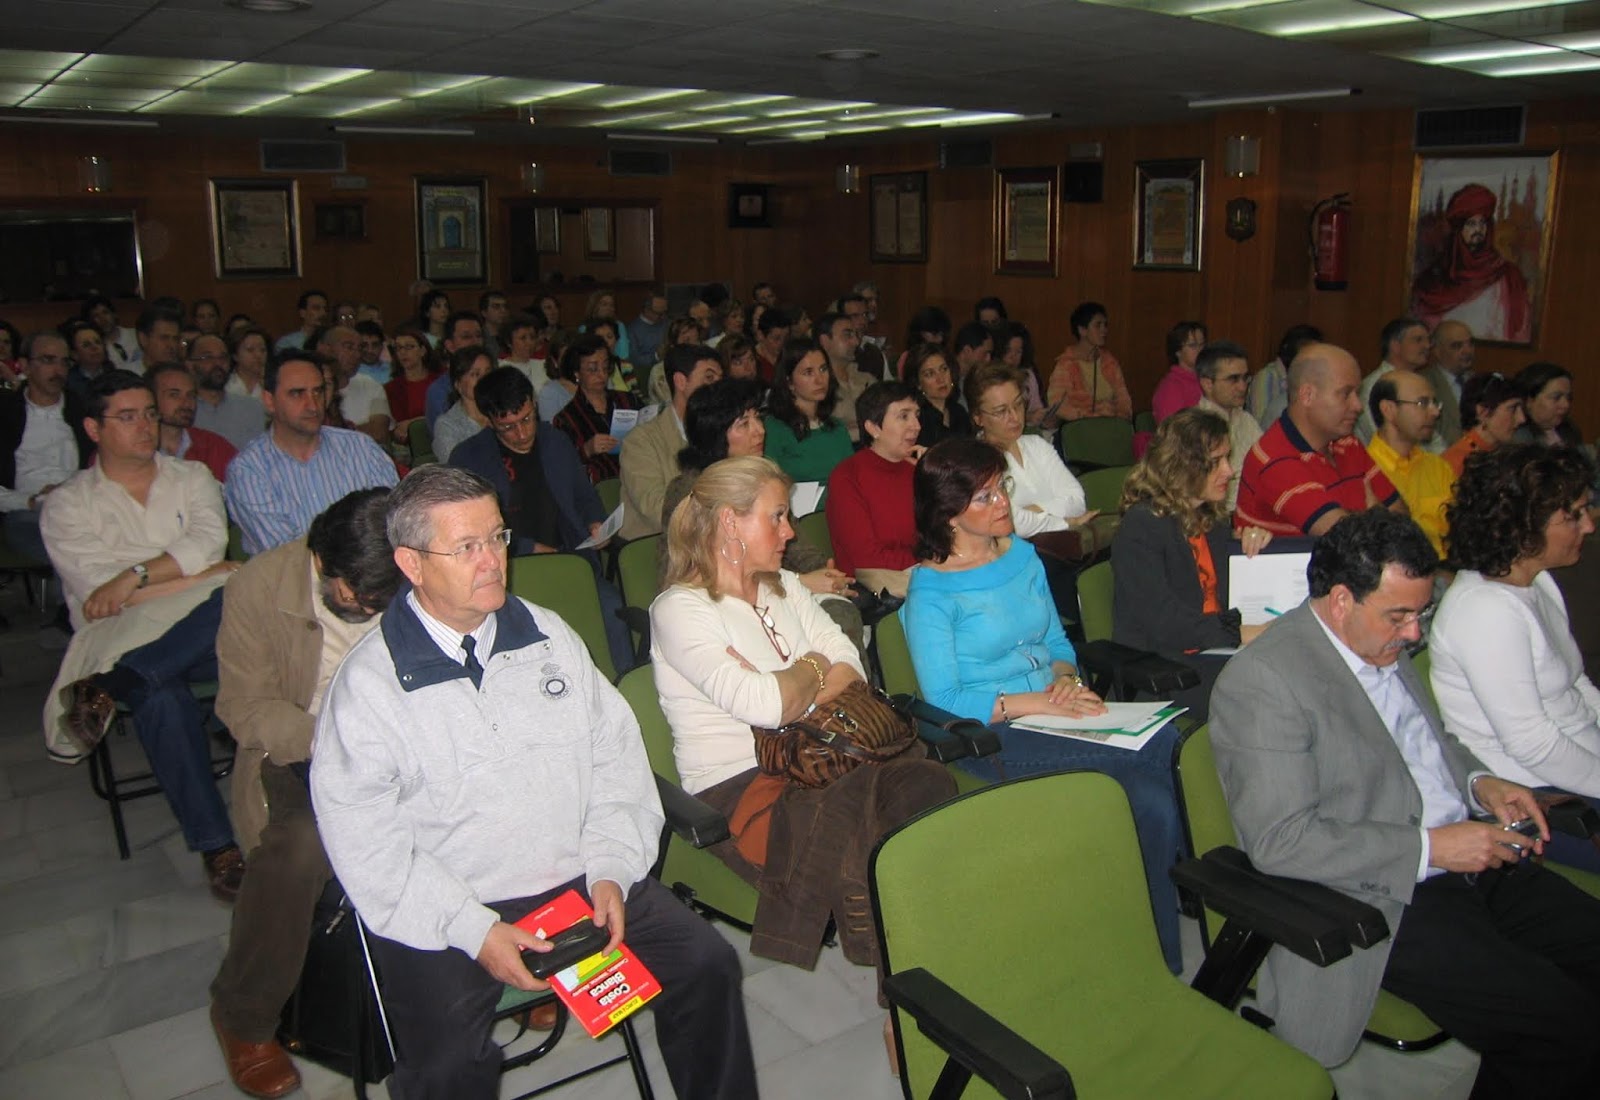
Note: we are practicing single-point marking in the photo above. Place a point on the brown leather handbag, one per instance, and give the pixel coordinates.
(860, 727)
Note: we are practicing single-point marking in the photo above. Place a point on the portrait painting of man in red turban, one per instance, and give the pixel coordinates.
(1477, 255)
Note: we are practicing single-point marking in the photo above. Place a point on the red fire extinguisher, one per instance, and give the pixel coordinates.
(1330, 242)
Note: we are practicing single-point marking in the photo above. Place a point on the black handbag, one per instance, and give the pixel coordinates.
(334, 1017)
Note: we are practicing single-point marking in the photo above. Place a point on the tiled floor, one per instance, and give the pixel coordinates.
(104, 964)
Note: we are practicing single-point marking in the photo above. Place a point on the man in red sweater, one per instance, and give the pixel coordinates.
(176, 397)
(870, 517)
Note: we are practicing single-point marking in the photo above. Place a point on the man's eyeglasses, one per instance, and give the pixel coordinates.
(48, 360)
(497, 542)
(131, 417)
(985, 497)
(1420, 402)
(213, 357)
(1242, 376)
(512, 427)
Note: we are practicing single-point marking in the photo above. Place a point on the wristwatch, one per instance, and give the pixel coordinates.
(141, 572)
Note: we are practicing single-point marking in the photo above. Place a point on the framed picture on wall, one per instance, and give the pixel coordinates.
(1169, 197)
(547, 230)
(749, 206)
(255, 228)
(1480, 242)
(341, 221)
(1025, 221)
(452, 237)
(898, 210)
(599, 233)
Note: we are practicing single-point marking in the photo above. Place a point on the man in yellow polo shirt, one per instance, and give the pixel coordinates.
(1404, 411)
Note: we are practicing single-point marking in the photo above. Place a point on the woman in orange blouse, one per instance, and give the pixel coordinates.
(1087, 379)
(1491, 413)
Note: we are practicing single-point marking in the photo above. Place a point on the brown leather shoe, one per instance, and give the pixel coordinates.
(87, 713)
(224, 872)
(540, 1017)
(260, 1069)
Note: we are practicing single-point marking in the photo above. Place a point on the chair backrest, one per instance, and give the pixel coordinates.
(894, 656)
(1098, 441)
(814, 530)
(945, 897)
(637, 570)
(236, 543)
(419, 437)
(565, 584)
(1205, 807)
(1144, 421)
(638, 687)
(610, 493)
(1094, 601)
(1102, 488)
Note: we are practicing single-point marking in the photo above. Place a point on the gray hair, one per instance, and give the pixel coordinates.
(409, 521)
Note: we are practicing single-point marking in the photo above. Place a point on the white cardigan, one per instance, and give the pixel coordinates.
(1510, 683)
(708, 698)
(1042, 478)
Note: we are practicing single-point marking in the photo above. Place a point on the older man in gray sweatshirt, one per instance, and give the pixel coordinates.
(472, 764)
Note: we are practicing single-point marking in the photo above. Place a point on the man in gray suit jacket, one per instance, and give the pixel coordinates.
(1338, 770)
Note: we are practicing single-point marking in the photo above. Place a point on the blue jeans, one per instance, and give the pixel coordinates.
(22, 534)
(1146, 777)
(153, 682)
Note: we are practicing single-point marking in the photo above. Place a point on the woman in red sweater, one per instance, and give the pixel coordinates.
(869, 509)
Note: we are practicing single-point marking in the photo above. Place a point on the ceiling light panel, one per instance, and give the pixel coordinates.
(174, 70)
(1542, 66)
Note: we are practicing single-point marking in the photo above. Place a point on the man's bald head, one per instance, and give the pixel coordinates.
(1315, 364)
(1324, 389)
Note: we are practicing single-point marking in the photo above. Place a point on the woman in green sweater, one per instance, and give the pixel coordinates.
(803, 437)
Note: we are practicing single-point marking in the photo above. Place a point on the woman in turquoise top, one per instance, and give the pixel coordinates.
(803, 437)
(986, 644)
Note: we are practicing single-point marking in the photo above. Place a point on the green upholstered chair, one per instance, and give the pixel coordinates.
(1394, 1023)
(695, 875)
(565, 584)
(814, 530)
(1094, 441)
(1144, 421)
(610, 492)
(1102, 488)
(1091, 1012)
(1094, 601)
(638, 578)
(419, 438)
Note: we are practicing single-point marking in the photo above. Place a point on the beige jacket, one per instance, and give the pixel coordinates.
(269, 651)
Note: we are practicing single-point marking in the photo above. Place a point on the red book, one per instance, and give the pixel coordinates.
(602, 990)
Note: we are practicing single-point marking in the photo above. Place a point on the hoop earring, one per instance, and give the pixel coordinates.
(744, 551)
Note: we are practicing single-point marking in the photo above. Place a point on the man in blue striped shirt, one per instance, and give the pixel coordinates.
(289, 475)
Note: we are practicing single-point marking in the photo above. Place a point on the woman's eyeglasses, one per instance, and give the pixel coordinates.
(778, 644)
(1001, 491)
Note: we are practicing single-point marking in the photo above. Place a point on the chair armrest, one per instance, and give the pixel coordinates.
(1253, 901)
(690, 818)
(979, 738)
(976, 1041)
(1130, 671)
(1567, 813)
(1363, 924)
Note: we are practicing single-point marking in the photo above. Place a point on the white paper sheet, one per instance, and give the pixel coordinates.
(1267, 585)
(611, 526)
(805, 497)
(1124, 725)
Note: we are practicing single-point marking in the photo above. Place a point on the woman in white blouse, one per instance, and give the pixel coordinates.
(737, 641)
(1044, 494)
(1506, 672)
(1045, 497)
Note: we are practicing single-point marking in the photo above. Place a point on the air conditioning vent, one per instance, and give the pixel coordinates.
(1461, 127)
(302, 156)
(640, 162)
(966, 154)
